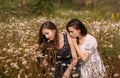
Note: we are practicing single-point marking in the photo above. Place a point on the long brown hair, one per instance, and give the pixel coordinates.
(42, 39)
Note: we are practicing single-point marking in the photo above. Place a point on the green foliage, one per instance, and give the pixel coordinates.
(23, 8)
(30, 8)
(68, 2)
(7, 8)
(42, 7)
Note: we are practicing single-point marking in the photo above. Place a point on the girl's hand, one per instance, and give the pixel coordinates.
(66, 74)
(44, 63)
(74, 40)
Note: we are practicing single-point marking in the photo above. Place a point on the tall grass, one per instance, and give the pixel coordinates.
(18, 42)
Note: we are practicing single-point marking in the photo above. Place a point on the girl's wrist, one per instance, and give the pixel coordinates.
(75, 45)
(69, 69)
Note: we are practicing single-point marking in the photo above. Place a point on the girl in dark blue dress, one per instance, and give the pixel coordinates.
(64, 59)
(57, 53)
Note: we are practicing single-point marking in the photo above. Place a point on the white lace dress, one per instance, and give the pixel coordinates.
(93, 67)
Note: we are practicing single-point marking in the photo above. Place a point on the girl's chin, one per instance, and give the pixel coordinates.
(73, 37)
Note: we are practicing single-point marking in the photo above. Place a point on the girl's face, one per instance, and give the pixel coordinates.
(73, 32)
(48, 33)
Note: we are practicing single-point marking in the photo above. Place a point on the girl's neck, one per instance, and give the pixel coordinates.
(61, 41)
(60, 37)
(81, 40)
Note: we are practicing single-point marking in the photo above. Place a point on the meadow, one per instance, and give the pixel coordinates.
(19, 37)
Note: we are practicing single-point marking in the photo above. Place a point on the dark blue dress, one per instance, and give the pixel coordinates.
(64, 59)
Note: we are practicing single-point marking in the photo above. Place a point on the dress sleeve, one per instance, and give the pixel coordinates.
(91, 46)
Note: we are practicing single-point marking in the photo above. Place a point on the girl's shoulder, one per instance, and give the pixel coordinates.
(65, 35)
(90, 38)
(68, 38)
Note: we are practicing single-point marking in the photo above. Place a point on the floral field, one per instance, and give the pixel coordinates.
(18, 42)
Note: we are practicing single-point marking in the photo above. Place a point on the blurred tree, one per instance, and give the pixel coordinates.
(42, 7)
(62, 2)
(89, 3)
(115, 7)
(1, 3)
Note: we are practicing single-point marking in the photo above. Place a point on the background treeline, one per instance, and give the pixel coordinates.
(23, 8)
